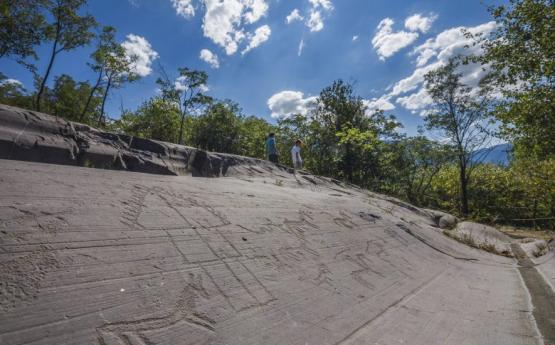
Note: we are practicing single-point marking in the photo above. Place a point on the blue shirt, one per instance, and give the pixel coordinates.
(271, 146)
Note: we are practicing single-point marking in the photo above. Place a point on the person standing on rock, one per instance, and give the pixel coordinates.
(271, 150)
(296, 155)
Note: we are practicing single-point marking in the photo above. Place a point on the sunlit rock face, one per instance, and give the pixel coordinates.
(257, 256)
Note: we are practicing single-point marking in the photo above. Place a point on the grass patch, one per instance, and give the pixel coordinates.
(88, 163)
(521, 233)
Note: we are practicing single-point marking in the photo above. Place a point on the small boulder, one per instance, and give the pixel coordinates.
(443, 220)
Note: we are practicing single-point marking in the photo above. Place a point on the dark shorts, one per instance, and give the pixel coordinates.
(274, 158)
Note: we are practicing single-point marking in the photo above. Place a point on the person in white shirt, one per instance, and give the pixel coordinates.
(296, 155)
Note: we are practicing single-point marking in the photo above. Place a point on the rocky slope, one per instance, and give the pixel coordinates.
(258, 256)
(32, 136)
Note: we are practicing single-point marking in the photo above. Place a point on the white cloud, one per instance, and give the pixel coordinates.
(261, 35)
(301, 47)
(221, 23)
(382, 103)
(210, 58)
(324, 4)
(204, 88)
(420, 23)
(355, 38)
(294, 16)
(315, 22)
(416, 101)
(449, 42)
(410, 92)
(411, 82)
(314, 19)
(181, 85)
(287, 103)
(11, 81)
(224, 22)
(254, 10)
(184, 8)
(387, 42)
(139, 50)
(318, 8)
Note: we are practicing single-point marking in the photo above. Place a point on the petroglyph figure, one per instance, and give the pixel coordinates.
(184, 311)
(324, 276)
(365, 272)
(20, 278)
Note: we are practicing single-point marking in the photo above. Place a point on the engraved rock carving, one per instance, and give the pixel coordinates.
(49, 222)
(324, 276)
(299, 227)
(133, 207)
(184, 311)
(219, 259)
(345, 220)
(20, 278)
(365, 271)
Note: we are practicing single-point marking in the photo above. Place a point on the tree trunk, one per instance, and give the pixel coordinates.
(43, 81)
(180, 142)
(104, 100)
(91, 95)
(464, 187)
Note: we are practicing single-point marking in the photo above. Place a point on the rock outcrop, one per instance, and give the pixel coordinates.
(37, 137)
(261, 256)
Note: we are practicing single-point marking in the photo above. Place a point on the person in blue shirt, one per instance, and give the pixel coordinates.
(271, 150)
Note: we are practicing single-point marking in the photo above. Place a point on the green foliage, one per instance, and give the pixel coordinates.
(521, 54)
(522, 194)
(21, 27)
(67, 99)
(155, 119)
(340, 139)
(219, 128)
(337, 110)
(253, 134)
(67, 31)
(415, 164)
(187, 91)
(13, 93)
(458, 114)
(112, 66)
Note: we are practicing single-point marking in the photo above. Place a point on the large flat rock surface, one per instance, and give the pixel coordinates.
(92, 256)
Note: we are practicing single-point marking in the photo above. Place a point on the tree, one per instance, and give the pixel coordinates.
(21, 28)
(346, 139)
(155, 119)
(118, 69)
(290, 129)
(219, 128)
(521, 58)
(187, 91)
(107, 47)
(338, 109)
(13, 93)
(459, 114)
(67, 98)
(417, 162)
(67, 32)
(254, 132)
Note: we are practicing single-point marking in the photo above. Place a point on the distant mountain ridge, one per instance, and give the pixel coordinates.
(498, 154)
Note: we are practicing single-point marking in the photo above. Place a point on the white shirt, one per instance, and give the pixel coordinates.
(296, 151)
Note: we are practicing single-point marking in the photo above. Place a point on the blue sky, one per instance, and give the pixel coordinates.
(396, 42)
